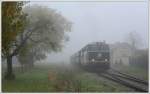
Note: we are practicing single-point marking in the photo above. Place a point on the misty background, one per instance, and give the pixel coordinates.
(98, 21)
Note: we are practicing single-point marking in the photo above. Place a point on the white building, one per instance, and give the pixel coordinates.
(120, 53)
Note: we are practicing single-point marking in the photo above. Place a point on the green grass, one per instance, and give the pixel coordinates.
(35, 79)
(64, 78)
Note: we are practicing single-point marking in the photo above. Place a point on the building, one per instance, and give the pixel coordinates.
(120, 53)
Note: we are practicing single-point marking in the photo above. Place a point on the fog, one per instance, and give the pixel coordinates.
(98, 21)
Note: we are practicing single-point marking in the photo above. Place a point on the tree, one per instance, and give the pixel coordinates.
(27, 56)
(13, 23)
(134, 39)
(48, 26)
(48, 29)
(44, 31)
(140, 59)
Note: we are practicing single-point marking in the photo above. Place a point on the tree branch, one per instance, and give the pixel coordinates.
(23, 42)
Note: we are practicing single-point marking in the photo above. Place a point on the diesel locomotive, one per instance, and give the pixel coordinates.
(94, 56)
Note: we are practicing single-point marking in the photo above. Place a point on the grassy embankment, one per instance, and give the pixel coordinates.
(59, 78)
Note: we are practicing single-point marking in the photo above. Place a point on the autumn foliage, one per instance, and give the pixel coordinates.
(13, 22)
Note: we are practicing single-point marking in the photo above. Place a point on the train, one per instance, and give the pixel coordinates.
(94, 56)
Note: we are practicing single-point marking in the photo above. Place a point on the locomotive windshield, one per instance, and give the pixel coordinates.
(98, 52)
(102, 48)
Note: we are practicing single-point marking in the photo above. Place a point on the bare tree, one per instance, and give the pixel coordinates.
(134, 39)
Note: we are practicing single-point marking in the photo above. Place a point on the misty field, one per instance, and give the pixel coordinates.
(59, 78)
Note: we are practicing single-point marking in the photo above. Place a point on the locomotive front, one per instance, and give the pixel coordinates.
(96, 56)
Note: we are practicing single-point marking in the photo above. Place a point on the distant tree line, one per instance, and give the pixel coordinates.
(140, 59)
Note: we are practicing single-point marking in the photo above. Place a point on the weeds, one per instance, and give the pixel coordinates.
(56, 78)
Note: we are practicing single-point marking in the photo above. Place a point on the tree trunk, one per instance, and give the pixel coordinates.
(22, 68)
(9, 74)
(32, 64)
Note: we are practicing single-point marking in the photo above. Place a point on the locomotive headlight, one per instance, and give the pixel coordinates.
(106, 60)
(93, 60)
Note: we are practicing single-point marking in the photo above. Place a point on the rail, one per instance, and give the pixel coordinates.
(126, 80)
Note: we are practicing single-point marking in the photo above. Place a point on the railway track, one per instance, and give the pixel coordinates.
(127, 76)
(126, 80)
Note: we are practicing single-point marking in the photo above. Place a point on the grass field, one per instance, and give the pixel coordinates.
(59, 78)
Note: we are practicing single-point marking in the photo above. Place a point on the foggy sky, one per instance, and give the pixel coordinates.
(98, 21)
